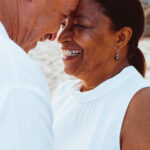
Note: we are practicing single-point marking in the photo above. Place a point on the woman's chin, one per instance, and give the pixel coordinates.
(69, 71)
(72, 65)
(72, 71)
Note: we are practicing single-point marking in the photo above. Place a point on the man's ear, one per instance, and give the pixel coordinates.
(123, 37)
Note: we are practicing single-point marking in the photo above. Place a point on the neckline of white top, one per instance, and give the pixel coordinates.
(103, 88)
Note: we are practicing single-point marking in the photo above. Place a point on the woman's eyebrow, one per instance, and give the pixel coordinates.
(82, 16)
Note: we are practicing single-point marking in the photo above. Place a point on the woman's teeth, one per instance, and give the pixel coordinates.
(68, 53)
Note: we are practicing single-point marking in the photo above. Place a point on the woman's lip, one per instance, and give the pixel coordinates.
(67, 48)
(70, 54)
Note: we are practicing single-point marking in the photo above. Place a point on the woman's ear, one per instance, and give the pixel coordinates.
(123, 37)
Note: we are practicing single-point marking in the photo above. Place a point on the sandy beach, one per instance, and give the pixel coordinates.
(47, 55)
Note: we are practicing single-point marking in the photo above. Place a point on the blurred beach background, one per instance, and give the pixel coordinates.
(48, 56)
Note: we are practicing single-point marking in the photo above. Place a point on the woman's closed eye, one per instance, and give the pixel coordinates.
(72, 25)
(79, 26)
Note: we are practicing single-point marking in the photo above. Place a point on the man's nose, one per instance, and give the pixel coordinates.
(65, 36)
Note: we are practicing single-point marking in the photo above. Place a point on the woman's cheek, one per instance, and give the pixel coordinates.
(82, 36)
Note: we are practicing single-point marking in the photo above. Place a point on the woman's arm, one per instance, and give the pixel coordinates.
(135, 134)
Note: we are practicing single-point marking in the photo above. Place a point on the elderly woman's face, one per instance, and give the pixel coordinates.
(87, 40)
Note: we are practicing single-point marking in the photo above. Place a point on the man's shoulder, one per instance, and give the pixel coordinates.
(17, 67)
(7, 44)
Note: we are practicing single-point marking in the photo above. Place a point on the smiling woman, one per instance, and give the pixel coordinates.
(88, 35)
(100, 111)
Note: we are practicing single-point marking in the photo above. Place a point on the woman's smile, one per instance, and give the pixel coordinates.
(70, 53)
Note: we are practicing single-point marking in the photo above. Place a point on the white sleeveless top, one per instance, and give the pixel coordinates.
(92, 120)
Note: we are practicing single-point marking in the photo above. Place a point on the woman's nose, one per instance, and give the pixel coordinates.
(65, 36)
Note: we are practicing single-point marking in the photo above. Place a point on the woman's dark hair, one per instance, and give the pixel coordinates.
(128, 13)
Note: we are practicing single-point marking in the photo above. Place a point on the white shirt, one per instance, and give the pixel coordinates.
(92, 120)
(25, 109)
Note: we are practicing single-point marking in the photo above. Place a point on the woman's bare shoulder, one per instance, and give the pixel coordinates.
(135, 132)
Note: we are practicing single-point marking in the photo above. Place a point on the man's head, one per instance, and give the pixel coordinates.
(28, 21)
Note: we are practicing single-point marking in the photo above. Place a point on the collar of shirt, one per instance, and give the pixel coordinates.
(3, 31)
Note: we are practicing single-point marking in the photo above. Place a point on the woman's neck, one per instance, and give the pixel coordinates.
(92, 80)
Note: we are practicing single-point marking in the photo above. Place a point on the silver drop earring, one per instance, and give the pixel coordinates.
(117, 55)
